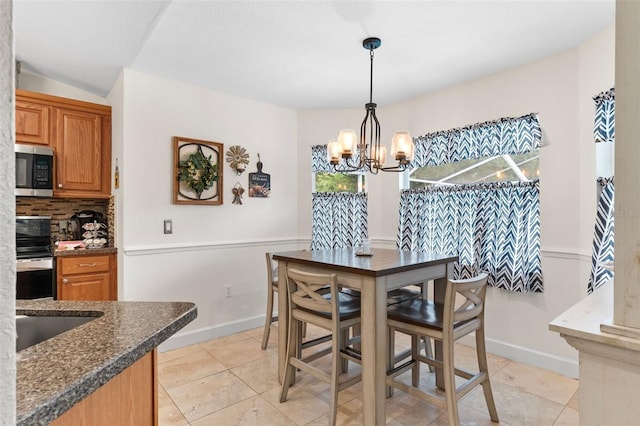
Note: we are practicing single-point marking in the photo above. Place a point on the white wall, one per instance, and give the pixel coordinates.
(211, 246)
(36, 83)
(559, 88)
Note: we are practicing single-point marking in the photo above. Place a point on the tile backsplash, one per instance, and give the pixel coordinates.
(62, 209)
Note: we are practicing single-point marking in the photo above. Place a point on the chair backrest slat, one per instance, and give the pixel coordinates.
(272, 274)
(303, 290)
(473, 290)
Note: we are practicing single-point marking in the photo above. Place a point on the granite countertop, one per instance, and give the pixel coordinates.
(56, 374)
(85, 252)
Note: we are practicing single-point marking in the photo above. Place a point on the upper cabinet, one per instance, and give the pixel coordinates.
(80, 134)
(33, 123)
(83, 154)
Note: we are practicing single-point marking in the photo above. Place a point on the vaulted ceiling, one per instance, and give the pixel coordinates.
(298, 54)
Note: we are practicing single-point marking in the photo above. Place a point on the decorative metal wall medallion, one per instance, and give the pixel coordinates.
(238, 158)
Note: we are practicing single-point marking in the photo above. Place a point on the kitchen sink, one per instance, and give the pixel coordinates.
(33, 329)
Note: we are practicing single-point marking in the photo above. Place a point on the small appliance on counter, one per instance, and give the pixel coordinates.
(90, 227)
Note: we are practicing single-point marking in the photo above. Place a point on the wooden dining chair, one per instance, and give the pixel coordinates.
(272, 288)
(333, 311)
(446, 323)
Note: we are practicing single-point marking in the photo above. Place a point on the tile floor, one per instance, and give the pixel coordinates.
(231, 381)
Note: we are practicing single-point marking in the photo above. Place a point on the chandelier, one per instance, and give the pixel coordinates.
(370, 155)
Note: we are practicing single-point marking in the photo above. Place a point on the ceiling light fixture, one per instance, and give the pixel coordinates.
(347, 145)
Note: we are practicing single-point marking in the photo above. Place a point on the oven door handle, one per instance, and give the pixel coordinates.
(25, 265)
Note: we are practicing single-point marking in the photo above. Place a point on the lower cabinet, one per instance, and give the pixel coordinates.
(90, 277)
(130, 398)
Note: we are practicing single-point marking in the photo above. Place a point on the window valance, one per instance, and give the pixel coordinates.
(510, 135)
(604, 125)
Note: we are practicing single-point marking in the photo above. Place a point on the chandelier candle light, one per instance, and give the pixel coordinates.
(346, 146)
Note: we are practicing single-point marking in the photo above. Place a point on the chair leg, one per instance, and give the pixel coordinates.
(344, 339)
(415, 369)
(391, 355)
(450, 382)
(483, 366)
(268, 319)
(336, 367)
(298, 330)
(289, 370)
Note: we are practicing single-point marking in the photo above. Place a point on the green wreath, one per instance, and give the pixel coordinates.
(198, 172)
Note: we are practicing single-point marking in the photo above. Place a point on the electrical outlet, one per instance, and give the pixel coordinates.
(227, 291)
(168, 226)
(63, 226)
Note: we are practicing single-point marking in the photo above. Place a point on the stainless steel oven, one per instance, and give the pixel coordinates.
(35, 268)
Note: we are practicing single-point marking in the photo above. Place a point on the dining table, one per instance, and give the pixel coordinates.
(373, 275)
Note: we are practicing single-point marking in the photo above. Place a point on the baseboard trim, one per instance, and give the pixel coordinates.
(203, 334)
(561, 365)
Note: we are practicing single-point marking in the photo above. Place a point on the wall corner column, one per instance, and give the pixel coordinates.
(626, 310)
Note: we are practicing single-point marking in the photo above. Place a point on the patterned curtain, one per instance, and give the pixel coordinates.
(604, 126)
(339, 220)
(603, 236)
(603, 253)
(491, 227)
(514, 136)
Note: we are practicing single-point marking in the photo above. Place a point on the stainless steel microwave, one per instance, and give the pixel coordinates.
(34, 171)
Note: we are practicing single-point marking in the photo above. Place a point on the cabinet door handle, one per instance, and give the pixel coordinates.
(59, 185)
(87, 265)
(64, 280)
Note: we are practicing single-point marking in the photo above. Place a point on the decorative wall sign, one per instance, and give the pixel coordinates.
(259, 183)
(237, 191)
(238, 158)
(197, 171)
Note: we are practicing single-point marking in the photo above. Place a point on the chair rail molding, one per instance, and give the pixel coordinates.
(153, 249)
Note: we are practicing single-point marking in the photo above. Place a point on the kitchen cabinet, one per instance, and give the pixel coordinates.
(130, 398)
(80, 150)
(33, 122)
(80, 135)
(87, 277)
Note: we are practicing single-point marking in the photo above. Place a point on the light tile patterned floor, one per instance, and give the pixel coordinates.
(231, 381)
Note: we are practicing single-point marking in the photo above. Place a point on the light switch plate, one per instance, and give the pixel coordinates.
(168, 226)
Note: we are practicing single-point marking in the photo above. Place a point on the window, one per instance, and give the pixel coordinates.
(338, 182)
(500, 168)
(475, 194)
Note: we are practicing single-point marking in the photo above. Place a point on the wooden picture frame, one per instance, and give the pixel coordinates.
(197, 171)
